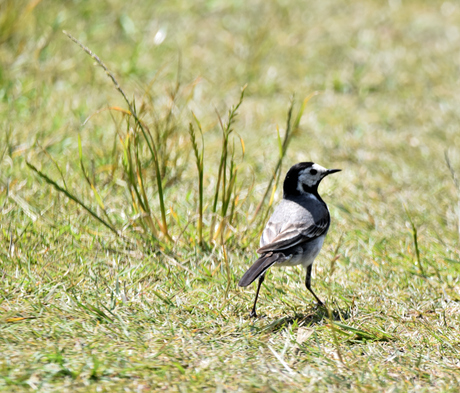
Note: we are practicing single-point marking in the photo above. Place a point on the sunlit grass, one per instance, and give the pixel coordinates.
(154, 304)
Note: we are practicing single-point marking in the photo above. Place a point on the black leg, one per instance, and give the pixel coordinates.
(308, 285)
(253, 313)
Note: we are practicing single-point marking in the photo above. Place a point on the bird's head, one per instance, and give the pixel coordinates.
(304, 178)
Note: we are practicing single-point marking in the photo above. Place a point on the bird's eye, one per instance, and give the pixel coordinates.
(313, 172)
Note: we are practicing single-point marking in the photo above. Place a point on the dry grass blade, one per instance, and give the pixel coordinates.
(199, 158)
(72, 197)
(415, 239)
(54, 162)
(360, 334)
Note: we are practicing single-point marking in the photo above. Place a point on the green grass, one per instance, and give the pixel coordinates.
(149, 300)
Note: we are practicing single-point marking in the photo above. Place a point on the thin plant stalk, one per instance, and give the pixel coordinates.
(72, 197)
(222, 172)
(53, 161)
(291, 129)
(415, 239)
(199, 157)
(151, 146)
(91, 183)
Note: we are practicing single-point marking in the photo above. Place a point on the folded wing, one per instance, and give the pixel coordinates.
(277, 239)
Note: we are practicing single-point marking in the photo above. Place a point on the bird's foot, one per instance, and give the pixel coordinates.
(319, 304)
(253, 314)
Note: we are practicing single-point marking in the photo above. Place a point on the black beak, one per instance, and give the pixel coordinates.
(330, 171)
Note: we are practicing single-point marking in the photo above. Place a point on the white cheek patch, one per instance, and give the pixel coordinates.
(308, 179)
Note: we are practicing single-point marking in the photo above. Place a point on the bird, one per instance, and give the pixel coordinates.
(295, 232)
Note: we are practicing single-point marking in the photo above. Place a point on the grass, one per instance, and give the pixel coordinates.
(145, 297)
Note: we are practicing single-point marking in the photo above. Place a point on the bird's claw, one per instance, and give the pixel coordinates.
(319, 304)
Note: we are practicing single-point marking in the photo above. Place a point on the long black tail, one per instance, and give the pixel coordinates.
(259, 268)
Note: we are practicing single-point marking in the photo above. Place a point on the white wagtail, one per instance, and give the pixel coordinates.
(296, 230)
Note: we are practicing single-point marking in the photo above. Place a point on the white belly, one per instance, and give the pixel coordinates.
(304, 254)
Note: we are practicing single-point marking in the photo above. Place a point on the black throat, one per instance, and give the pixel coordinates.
(290, 188)
(291, 180)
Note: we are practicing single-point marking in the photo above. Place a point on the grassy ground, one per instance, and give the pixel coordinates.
(150, 304)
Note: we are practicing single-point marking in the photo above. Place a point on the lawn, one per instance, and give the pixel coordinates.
(139, 162)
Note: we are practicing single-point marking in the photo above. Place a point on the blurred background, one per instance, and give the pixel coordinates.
(387, 74)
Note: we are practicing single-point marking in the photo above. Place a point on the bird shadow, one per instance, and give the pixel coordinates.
(312, 318)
